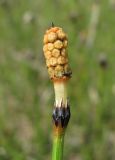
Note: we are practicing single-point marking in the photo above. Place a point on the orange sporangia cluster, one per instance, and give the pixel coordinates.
(55, 52)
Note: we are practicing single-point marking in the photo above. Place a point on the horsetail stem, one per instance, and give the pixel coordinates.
(55, 52)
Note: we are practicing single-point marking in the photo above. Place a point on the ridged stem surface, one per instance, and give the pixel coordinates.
(58, 143)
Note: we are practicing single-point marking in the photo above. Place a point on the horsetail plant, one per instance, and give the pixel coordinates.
(55, 52)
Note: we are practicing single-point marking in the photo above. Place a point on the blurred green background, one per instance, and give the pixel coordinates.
(26, 93)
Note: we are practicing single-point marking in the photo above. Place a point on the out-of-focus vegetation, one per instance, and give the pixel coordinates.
(26, 93)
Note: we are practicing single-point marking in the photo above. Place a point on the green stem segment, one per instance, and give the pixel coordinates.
(58, 143)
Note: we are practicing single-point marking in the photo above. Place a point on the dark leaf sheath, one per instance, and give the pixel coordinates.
(61, 116)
